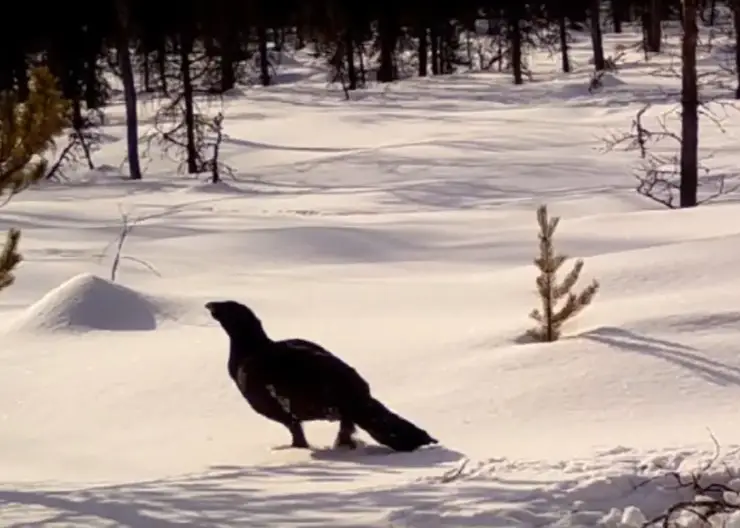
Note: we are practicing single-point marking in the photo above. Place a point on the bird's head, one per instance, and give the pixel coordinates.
(237, 319)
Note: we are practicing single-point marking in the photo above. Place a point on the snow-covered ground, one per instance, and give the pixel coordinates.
(398, 230)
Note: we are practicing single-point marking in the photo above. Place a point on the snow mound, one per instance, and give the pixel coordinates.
(88, 302)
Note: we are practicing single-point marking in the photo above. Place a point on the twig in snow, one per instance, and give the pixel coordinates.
(454, 474)
(710, 500)
(127, 226)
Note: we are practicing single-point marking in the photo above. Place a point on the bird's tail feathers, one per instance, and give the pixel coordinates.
(390, 429)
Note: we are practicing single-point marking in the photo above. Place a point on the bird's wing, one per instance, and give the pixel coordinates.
(309, 363)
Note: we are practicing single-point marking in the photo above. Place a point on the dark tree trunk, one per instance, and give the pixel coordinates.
(564, 44)
(264, 56)
(228, 61)
(736, 20)
(146, 72)
(162, 65)
(423, 51)
(596, 36)
(449, 44)
(434, 41)
(186, 47)
(515, 39)
(277, 39)
(349, 50)
(129, 92)
(93, 97)
(360, 52)
(617, 13)
(653, 30)
(77, 121)
(689, 109)
(387, 33)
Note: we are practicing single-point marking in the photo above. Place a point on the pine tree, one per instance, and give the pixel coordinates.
(27, 129)
(549, 319)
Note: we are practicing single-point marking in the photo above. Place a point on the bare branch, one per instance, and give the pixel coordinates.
(711, 500)
(127, 226)
(658, 174)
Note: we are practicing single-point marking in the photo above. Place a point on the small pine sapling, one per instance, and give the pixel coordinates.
(9, 258)
(550, 320)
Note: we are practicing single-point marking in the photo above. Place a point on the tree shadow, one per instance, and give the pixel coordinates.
(684, 356)
(313, 492)
(697, 322)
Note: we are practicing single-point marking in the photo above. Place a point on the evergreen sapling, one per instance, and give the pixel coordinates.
(550, 319)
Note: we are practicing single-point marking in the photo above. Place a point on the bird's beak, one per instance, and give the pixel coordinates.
(210, 306)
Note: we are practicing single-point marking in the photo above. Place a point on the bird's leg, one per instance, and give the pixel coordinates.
(345, 437)
(299, 437)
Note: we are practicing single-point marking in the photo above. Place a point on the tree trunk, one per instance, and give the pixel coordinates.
(736, 20)
(349, 51)
(617, 14)
(387, 35)
(434, 41)
(264, 57)
(423, 45)
(186, 47)
(129, 92)
(515, 39)
(596, 38)
(689, 108)
(564, 44)
(449, 43)
(653, 30)
(277, 39)
(146, 73)
(360, 50)
(162, 65)
(93, 95)
(229, 51)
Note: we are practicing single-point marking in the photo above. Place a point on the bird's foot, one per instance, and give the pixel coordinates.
(298, 437)
(345, 443)
(299, 443)
(285, 447)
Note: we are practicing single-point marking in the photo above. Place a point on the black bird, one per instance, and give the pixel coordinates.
(294, 380)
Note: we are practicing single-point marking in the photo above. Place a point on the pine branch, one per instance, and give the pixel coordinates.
(570, 280)
(27, 129)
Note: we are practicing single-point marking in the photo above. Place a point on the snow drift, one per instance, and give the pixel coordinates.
(88, 302)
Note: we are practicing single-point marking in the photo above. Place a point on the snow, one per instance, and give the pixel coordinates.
(398, 230)
(88, 302)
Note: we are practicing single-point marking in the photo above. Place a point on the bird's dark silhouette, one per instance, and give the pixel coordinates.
(294, 380)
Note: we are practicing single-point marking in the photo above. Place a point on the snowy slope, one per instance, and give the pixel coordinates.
(398, 230)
